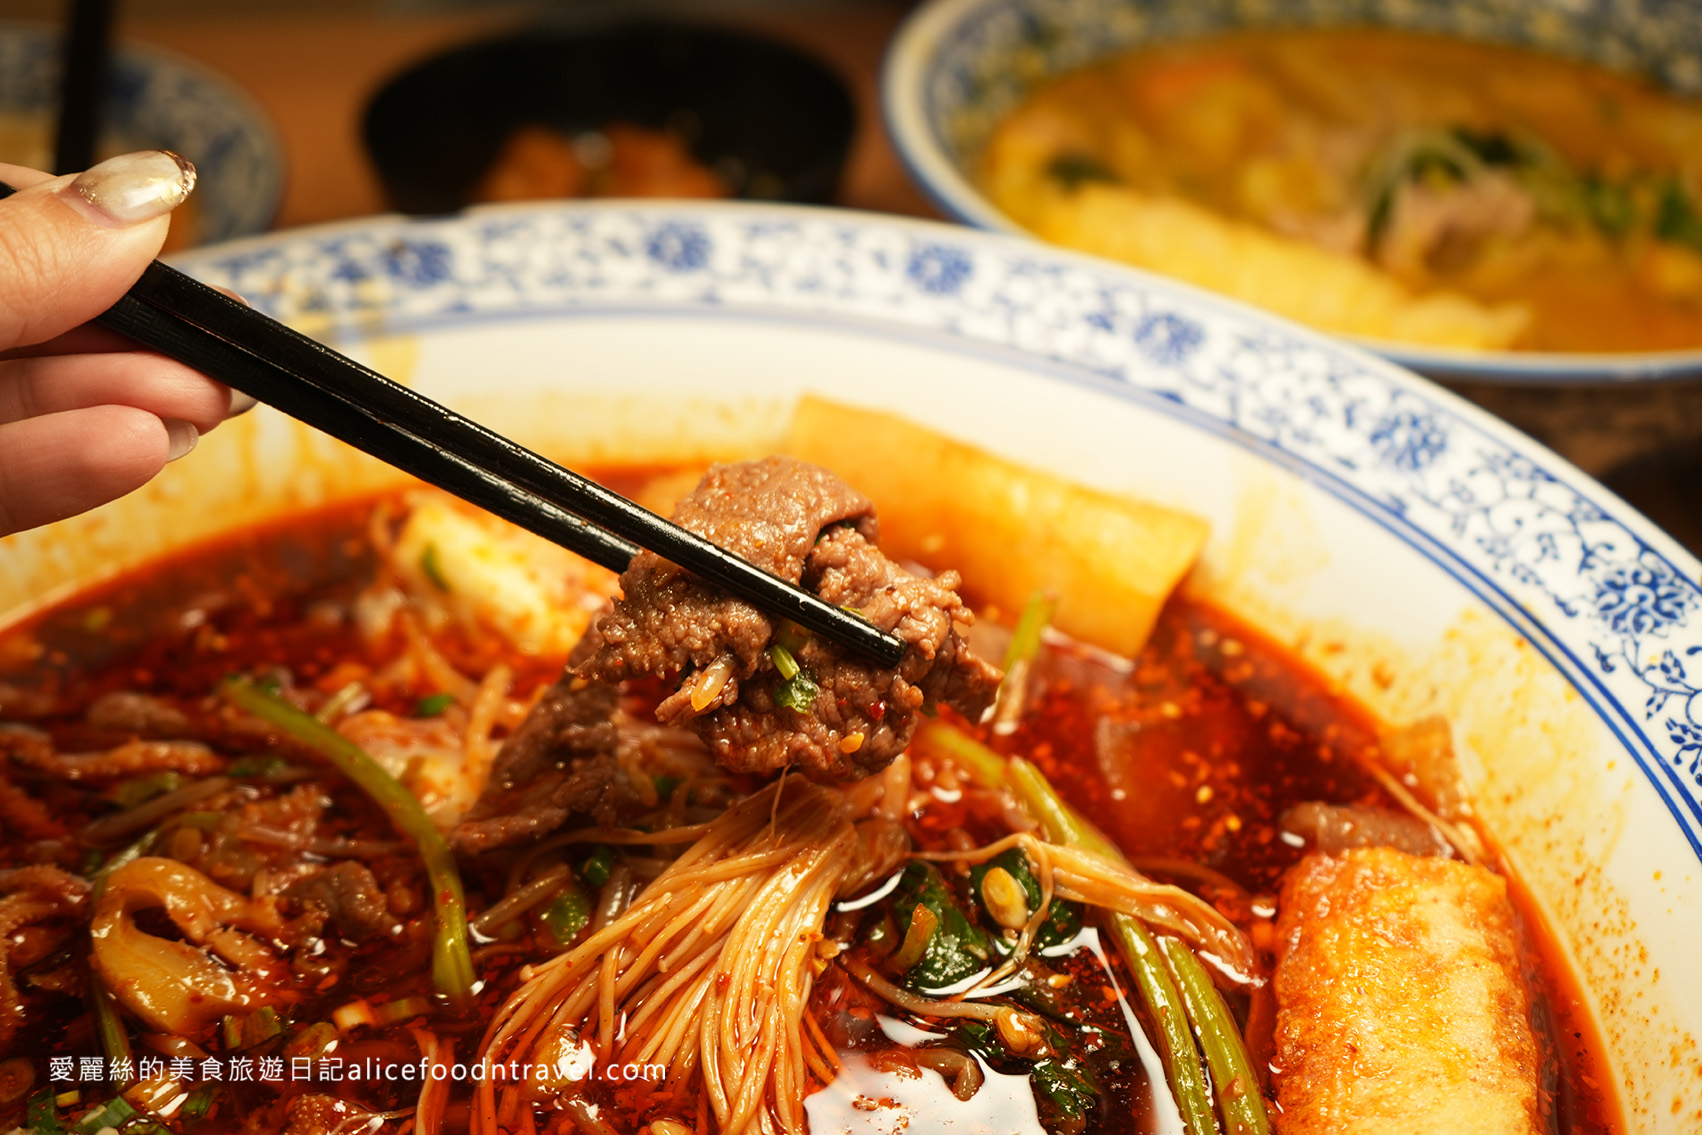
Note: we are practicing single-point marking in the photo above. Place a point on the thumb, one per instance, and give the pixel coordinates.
(71, 246)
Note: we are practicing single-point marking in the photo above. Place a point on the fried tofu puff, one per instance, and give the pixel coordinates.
(1400, 1008)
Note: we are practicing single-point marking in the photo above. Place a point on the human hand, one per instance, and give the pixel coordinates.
(86, 416)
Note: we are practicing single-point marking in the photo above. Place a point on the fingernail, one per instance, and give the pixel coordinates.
(133, 188)
(241, 403)
(182, 437)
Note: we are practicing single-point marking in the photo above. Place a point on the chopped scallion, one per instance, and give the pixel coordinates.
(257, 768)
(432, 568)
(566, 915)
(114, 1038)
(400, 1009)
(434, 705)
(145, 788)
(784, 662)
(40, 1118)
(452, 961)
(199, 1102)
(115, 1113)
(595, 870)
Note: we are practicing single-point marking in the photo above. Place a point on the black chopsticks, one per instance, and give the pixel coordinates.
(85, 59)
(185, 319)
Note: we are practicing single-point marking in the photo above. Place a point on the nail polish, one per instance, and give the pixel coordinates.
(240, 404)
(181, 438)
(133, 188)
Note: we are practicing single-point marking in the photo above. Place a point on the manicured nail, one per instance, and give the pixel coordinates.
(181, 437)
(241, 403)
(133, 188)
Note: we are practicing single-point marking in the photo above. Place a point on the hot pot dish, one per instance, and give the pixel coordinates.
(393, 817)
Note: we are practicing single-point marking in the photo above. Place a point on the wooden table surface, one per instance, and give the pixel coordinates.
(314, 72)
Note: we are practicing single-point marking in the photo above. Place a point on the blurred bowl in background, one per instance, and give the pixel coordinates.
(765, 120)
(153, 101)
(958, 67)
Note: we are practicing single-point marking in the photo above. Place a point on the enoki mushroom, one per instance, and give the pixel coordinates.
(1079, 875)
(710, 968)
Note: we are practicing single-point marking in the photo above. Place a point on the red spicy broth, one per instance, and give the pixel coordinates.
(1191, 754)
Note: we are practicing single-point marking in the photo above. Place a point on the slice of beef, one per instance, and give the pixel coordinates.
(141, 715)
(349, 898)
(803, 524)
(559, 763)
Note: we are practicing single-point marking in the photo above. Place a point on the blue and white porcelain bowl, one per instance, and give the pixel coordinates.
(153, 101)
(1417, 551)
(957, 67)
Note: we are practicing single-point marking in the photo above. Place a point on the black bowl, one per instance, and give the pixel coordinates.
(772, 121)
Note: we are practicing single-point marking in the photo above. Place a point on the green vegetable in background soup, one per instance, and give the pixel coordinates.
(1676, 220)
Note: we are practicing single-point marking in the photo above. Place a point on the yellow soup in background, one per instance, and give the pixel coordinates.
(1383, 184)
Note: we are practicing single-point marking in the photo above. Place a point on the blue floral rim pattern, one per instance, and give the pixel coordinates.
(1616, 606)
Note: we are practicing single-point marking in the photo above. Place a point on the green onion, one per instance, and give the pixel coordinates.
(784, 662)
(251, 1029)
(312, 1041)
(114, 1039)
(201, 821)
(1238, 1095)
(791, 637)
(116, 1112)
(1019, 661)
(434, 705)
(1025, 640)
(119, 858)
(665, 785)
(41, 1118)
(595, 870)
(230, 1031)
(978, 760)
(451, 961)
(142, 789)
(200, 1102)
(1072, 170)
(1676, 220)
(400, 1010)
(432, 568)
(257, 768)
(566, 915)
